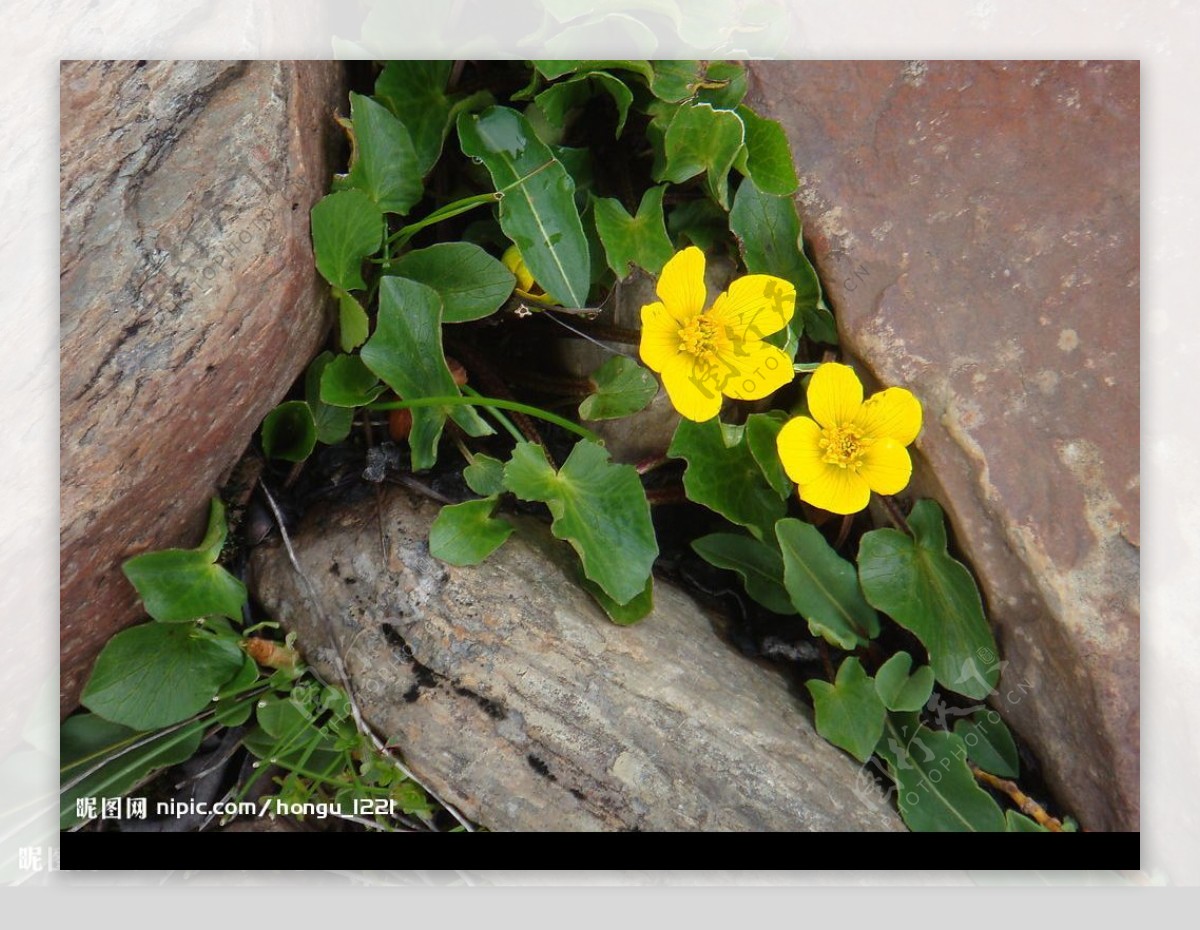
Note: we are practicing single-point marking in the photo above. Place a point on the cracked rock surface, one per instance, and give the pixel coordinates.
(511, 695)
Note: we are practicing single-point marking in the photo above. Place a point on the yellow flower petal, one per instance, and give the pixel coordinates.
(681, 284)
(759, 369)
(891, 414)
(660, 337)
(694, 393)
(886, 467)
(838, 490)
(755, 306)
(799, 445)
(834, 396)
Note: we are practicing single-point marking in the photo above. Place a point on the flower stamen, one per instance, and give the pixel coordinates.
(844, 447)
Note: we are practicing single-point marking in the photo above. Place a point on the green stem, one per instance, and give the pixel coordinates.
(496, 402)
(498, 416)
(404, 233)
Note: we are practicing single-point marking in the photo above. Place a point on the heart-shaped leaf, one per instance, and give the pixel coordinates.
(701, 140)
(634, 240)
(989, 744)
(289, 432)
(848, 712)
(332, 423)
(933, 596)
(470, 282)
(346, 227)
(346, 381)
(900, 691)
(622, 387)
(467, 533)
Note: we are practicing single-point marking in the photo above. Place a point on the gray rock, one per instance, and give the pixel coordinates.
(512, 696)
(976, 227)
(190, 302)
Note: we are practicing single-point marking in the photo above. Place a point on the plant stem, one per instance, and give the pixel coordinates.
(895, 514)
(1028, 806)
(404, 233)
(452, 401)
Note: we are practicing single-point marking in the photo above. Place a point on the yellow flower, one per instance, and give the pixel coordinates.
(849, 447)
(704, 354)
(526, 286)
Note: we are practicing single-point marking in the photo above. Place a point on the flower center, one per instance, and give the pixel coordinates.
(843, 446)
(699, 337)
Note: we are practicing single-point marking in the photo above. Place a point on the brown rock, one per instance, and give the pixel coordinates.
(976, 227)
(512, 696)
(189, 301)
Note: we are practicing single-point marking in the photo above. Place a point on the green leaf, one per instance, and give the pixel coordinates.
(289, 432)
(768, 232)
(935, 789)
(415, 91)
(470, 282)
(762, 429)
(467, 533)
(560, 99)
(598, 507)
(1019, 823)
(176, 585)
(353, 324)
(157, 674)
(897, 689)
(386, 169)
(703, 140)
(485, 475)
(639, 240)
(622, 614)
(99, 753)
(674, 80)
(848, 712)
(346, 381)
(346, 228)
(760, 565)
(918, 584)
(285, 734)
(333, 423)
(700, 222)
(724, 85)
(768, 155)
(989, 744)
(823, 586)
(406, 352)
(552, 70)
(538, 211)
(622, 387)
(725, 477)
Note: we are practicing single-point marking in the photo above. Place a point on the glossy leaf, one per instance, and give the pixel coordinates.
(353, 324)
(723, 86)
(538, 211)
(933, 596)
(900, 691)
(552, 70)
(387, 168)
(415, 91)
(346, 228)
(848, 712)
(467, 533)
(621, 614)
(346, 381)
(768, 155)
(157, 674)
(634, 240)
(471, 283)
(674, 80)
(989, 744)
(762, 429)
(598, 507)
(701, 140)
(622, 387)
(935, 790)
(560, 99)
(760, 566)
(485, 475)
(98, 752)
(824, 587)
(406, 352)
(722, 475)
(768, 232)
(332, 423)
(177, 585)
(289, 432)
